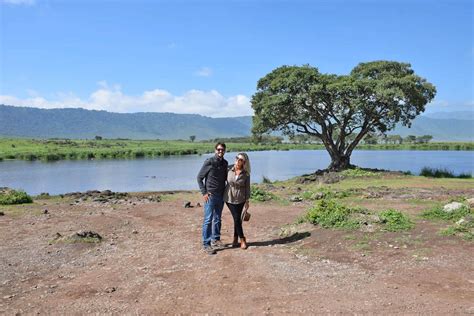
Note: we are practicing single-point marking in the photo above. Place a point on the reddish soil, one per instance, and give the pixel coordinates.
(150, 262)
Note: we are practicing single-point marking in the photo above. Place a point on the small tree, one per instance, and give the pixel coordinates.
(410, 138)
(192, 138)
(371, 139)
(98, 137)
(424, 139)
(374, 97)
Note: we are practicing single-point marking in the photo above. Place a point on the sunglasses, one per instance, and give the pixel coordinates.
(239, 159)
(220, 149)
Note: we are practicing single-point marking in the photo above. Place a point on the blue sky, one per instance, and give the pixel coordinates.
(205, 57)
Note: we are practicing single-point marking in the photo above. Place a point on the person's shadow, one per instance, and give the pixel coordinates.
(280, 241)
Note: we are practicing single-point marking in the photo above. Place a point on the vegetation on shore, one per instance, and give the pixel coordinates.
(11, 197)
(60, 149)
(371, 202)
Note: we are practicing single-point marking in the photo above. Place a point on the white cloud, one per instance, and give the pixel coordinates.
(112, 99)
(19, 2)
(204, 72)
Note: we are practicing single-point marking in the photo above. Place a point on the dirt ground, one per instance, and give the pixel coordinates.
(149, 262)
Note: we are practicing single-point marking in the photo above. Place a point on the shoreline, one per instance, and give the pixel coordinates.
(54, 150)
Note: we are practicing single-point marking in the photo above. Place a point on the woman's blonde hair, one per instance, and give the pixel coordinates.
(247, 162)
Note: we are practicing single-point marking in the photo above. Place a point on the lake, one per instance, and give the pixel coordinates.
(179, 172)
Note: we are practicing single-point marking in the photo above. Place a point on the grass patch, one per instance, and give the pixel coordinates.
(328, 213)
(437, 212)
(357, 172)
(325, 193)
(394, 220)
(10, 197)
(465, 230)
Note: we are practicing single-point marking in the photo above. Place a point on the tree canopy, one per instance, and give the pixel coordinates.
(374, 97)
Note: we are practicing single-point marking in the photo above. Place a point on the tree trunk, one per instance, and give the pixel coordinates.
(339, 162)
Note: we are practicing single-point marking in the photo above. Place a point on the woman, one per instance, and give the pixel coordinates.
(237, 195)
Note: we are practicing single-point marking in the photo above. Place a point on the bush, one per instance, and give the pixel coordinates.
(258, 194)
(10, 197)
(330, 214)
(395, 220)
(442, 173)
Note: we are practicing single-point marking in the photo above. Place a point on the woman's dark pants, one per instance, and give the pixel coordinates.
(236, 211)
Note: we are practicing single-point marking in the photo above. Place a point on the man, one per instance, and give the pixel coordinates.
(214, 174)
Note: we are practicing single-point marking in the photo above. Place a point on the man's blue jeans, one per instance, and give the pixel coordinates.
(211, 227)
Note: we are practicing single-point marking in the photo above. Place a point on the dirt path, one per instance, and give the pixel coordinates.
(149, 263)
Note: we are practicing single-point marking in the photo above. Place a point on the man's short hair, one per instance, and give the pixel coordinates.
(219, 144)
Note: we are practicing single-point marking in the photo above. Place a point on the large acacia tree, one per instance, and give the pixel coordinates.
(340, 110)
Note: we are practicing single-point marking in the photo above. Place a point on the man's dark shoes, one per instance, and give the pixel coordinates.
(208, 250)
(217, 244)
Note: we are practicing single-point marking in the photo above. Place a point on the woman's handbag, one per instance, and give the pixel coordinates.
(246, 215)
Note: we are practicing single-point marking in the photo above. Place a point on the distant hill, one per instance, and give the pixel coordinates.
(457, 115)
(81, 124)
(440, 129)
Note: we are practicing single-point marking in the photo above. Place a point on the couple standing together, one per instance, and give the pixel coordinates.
(221, 183)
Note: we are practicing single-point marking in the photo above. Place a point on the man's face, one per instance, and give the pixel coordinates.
(220, 151)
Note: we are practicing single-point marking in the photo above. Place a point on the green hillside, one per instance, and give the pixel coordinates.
(86, 124)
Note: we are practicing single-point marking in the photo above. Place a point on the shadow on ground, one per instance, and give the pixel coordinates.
(280, 241)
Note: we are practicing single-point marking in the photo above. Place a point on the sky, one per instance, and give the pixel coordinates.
(205, 57)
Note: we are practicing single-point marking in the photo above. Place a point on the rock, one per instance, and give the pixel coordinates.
(45, 211)
(83, 234)
(465, 220)
(187, 204)
(470, 202)
(111, 289)
(295, 198)
(198, 204)
(2, 214)
(453, 206)
(135, 231)
(318, 195)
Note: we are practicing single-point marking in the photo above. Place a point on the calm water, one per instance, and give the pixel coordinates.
(179, 173)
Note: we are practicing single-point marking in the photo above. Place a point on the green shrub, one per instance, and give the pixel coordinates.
(258, 194)
(442, 173)
(330, 214)
(14, 197)
(395, 220)
(437, 212)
